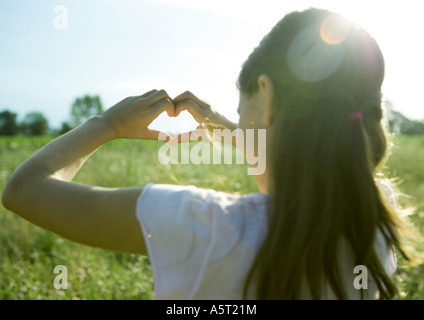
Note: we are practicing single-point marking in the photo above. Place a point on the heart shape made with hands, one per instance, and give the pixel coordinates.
(193, 119)
(181, 125)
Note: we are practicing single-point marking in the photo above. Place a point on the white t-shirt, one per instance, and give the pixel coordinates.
(202, 243)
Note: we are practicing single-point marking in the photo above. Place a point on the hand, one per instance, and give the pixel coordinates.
(130, 118)
(202, 112)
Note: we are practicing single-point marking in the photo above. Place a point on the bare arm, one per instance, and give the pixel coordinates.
(41, 191)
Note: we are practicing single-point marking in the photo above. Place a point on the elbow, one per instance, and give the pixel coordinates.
(6, 198)
(10, 193)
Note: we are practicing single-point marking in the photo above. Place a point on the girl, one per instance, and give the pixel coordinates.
(314, 83)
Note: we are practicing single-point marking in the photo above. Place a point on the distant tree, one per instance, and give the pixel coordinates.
(8, 125)
(414, 127)
(34, 124)
(65, 128)
(84, 108)
(399, 124)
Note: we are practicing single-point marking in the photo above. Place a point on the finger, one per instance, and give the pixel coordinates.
(162, 105)
(148, 93)
(143, 96)
(184, 105)
(192, 107)
(183, 96)
(187, 95)
(157, 135)
(158, 95)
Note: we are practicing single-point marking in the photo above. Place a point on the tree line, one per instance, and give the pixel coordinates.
(400, 124)
(36, 124)
(84, 107)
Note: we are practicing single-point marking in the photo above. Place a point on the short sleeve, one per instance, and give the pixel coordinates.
(188, 232)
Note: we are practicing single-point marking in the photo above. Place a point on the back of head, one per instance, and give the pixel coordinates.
(328, 141)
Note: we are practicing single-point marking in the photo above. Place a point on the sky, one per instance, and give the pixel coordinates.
(120, 48)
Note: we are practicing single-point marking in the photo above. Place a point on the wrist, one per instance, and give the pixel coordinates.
(103, 128)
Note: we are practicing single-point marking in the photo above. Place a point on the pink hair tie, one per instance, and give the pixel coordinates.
(356, 116)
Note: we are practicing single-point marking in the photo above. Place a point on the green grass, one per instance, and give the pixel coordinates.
(28, 254)
(405, 167)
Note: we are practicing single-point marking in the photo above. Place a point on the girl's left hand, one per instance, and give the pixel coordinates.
(130, 118)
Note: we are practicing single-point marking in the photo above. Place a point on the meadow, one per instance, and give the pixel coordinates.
(28, 254)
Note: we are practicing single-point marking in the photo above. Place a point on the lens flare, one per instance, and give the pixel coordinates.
(317, 50)
(335, 29)
(310, 59)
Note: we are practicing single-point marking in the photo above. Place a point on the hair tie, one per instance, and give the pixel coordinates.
(356, 116)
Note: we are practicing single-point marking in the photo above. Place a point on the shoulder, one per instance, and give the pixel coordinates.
(188, 208)
(198, 200)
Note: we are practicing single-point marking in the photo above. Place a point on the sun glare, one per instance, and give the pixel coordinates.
(367, 19)
(335, 29)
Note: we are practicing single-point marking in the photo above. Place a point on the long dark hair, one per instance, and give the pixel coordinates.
(327, 145)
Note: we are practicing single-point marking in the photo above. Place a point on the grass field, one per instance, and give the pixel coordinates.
(28, 254)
